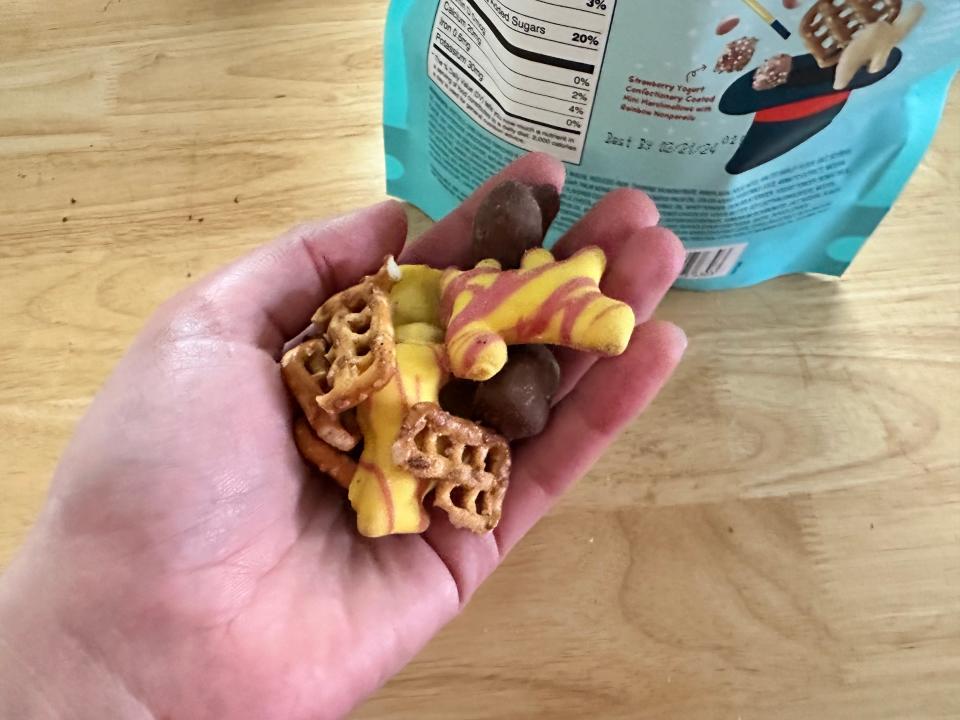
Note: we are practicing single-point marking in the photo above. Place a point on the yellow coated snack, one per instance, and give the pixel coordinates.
(388, 499)
(544, 302)
(420, 333)
(415, 298)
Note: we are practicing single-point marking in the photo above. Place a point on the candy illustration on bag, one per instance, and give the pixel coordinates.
(851, 47)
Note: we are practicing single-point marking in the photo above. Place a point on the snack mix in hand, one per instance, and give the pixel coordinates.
(412, 383)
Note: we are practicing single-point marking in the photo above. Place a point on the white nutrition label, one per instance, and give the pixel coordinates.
(526, 70)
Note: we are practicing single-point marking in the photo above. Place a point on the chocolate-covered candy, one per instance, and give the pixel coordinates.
(456, 397)
(507, 224)
(516, 401)
(548, 198)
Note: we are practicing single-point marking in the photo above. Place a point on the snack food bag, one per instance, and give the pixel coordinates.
(773, 135)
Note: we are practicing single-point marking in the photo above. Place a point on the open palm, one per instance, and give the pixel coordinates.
(188, 550)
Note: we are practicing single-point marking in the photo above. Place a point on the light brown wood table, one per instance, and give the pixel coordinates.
(779, 537)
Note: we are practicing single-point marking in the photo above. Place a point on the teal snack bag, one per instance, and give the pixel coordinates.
(773, 135)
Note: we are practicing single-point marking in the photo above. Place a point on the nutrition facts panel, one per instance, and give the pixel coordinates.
(526, 70)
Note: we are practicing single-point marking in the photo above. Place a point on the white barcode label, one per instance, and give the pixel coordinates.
(712, 262)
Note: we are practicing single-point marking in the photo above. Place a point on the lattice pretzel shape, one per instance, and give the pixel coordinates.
(470, 463)
(361, 350)
(304, 369)
(829, 25)
(474, 509)
(338, 465)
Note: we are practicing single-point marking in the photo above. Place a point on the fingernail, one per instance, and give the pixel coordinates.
(682, 340)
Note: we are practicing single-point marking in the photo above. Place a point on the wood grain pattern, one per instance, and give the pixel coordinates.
(778, 537)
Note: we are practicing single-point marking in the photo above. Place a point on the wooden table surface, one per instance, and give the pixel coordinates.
(779, 537)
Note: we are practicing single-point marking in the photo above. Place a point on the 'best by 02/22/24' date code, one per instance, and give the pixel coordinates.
(669, 147)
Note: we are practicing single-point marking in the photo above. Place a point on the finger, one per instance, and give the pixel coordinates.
(609, 396)
(447, 243)
(617, 215)
(640, 270)
(269, 295)
(610, 224)
(581, 428)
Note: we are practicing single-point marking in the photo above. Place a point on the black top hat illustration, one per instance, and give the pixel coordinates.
(788, 115)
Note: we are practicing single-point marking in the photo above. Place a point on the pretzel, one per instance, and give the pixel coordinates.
(304, 370)
(327, 458)
(470, 463)
(356, 328)
(829, 25)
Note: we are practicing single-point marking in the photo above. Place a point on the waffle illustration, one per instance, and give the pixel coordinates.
(829, 25)
(470, 464)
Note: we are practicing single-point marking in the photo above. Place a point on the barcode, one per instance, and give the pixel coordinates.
(711, 262)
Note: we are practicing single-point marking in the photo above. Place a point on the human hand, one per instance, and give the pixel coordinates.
(187, 563)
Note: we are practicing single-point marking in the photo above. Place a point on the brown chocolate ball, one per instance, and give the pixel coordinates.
(456, 397)
(507, 224)
(548, 198)
(516, 401)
